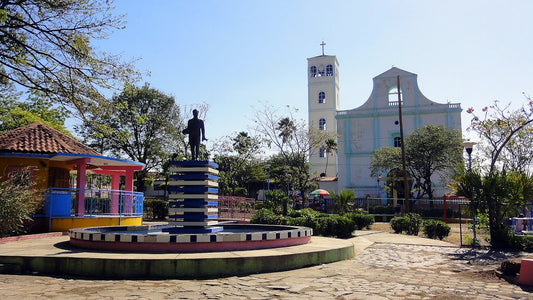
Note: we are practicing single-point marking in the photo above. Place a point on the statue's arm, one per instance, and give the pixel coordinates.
(203, 131)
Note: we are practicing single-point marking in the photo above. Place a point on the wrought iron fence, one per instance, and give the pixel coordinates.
(440, 208)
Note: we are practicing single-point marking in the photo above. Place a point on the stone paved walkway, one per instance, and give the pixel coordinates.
(387, 266)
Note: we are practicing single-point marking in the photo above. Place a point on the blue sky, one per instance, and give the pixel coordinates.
(235, 55)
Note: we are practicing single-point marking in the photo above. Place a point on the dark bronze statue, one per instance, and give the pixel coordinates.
(195, 130)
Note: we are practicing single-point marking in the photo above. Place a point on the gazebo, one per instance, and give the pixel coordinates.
(52, 159)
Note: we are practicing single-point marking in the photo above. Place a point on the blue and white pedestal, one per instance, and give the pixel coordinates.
(193, 194)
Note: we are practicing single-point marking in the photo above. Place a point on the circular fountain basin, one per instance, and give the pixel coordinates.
(153, 238)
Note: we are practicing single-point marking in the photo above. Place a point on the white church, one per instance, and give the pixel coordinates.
(372, 125)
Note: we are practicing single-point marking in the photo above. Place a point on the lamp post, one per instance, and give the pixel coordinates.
(267, 168)
(469, 145)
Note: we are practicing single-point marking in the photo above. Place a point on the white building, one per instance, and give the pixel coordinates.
(374, 124)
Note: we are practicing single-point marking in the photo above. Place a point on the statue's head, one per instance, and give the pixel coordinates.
(195, 113)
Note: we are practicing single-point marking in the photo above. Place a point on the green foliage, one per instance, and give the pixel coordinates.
(293, 140)
(275, 201)
(436, 229)
(267, 216)
(334, 225)
(322, 224)
(520, 242)
(497, 196)
(141, 124)
(17, 201)
(237, 164)
(361, 220)
(505, 136)
(343, 200)
(384, 160)
(330, 146)
(432, 149)
(305, 212)
(381, 210)
(156, 209)
(46, 47)
(399, 224)
(429, 149)
(15, 114)
(469, 240)
(290, 171)
(409, 224)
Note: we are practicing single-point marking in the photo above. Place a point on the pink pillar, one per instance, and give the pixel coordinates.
(81, 167)
(128, 186)
(115, 186)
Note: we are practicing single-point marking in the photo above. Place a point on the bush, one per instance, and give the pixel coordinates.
(17, 201)
(267, 216)
(409, 224)
(415, 221)
(381, 210)
(436, 229)
(334, 225)
(322, 224)
(156, 209)
(305, 212)
(399, 224)
(520, 242)
(361, 220)
(275, 201)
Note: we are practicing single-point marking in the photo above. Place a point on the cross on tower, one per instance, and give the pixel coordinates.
(323, 44)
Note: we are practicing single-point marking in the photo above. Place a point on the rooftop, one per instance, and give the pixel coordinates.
(41, 138)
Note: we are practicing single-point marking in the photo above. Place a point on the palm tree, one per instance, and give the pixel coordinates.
(330, 146)
(286, 127)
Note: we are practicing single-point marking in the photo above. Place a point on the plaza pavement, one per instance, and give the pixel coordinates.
(386, 266)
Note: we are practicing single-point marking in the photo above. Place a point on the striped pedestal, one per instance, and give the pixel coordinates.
(193, 194)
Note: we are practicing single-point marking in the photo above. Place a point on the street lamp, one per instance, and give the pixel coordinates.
(468, 145)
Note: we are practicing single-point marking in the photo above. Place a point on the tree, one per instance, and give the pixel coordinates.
(342, 201)
(330, 146)
(492, 188)
(45, 46)
(141, 124)
(294, 142)
(36, 108)
(518, 154)
(237, 164)
(429, 150)
(387, 161)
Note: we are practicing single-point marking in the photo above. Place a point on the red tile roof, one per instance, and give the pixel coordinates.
(40, 138)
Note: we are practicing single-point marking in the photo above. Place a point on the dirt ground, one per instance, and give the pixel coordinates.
(454, 237)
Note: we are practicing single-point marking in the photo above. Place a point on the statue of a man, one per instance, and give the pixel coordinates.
(195, 130)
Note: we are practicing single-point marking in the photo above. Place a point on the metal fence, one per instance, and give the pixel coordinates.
(439, 208)
(63, 202)
(235, 208)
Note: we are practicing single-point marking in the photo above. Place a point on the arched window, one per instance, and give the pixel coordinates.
(329, 70)
(321, 97)
(312, 71)
(322, 124)
(322, 152)
(393, 96)
(321, 70)
(397, 141)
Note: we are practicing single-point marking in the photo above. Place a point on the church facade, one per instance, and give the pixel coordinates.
(372, 125)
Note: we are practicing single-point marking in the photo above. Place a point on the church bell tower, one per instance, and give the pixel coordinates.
(323, 104)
